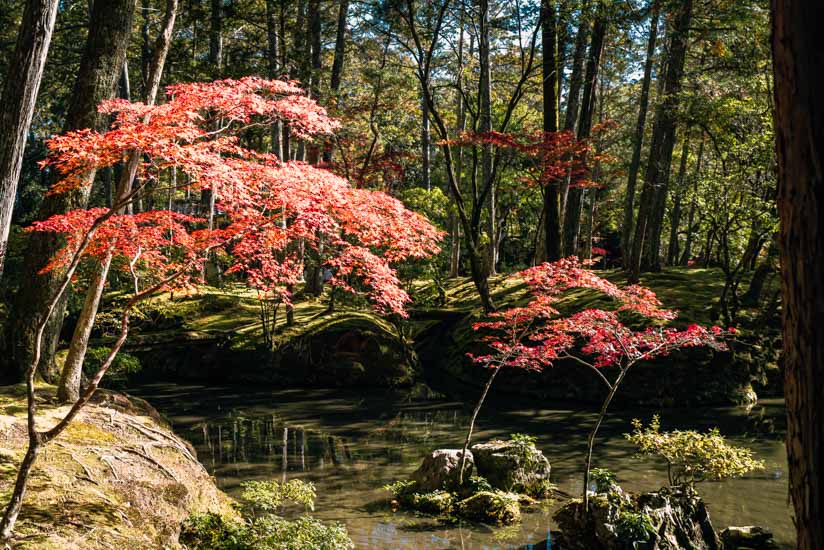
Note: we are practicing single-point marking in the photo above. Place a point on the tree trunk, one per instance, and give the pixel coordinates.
(110, 26)
(675, 214)
(68, 389)
(574, 92)
(798, 64)
(635, 163)
(216, 38)
(647, 238)
(549, 39)
(484, 127)
(18, 100)
(337, 65)
(685, 257)
(273, 55)
(572, 214)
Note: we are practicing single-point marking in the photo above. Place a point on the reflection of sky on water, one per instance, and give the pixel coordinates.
(351, 444)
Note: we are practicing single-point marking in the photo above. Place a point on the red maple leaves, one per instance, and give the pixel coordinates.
(272, 216)
(535, 335)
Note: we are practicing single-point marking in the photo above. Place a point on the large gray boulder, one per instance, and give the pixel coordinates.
(441, 470)
(512, 466)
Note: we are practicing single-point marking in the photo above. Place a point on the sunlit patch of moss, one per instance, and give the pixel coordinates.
(83, 432)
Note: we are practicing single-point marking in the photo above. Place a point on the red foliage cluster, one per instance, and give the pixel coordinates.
(553, 155)
(535, 335)
(271, 214)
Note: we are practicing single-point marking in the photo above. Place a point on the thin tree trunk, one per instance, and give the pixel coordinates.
(638, 141)
(216, 38)
(18, 100)
(675, 215)
(647, 237)
(426, 143)
(68, 389)
(572, 215)
(273, 55)
(685, 258)
(110, 26)
(798, 64)
(484, 127)
(337, 65)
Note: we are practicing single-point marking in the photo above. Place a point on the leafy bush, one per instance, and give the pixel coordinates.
(270, 496)
(634, 527)
(691, 456)
(263, 530)
(603, 479)
(213, 532)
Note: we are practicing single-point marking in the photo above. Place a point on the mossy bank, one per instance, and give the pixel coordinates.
(118, 477)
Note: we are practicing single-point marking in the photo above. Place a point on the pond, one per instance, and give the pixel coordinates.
(350, 444)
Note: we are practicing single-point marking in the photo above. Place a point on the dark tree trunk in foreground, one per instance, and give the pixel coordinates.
(549, 38)
(647, 237)
(17, 103)
(273, 55)
(635, 163)
(798, 57)
(101, 65)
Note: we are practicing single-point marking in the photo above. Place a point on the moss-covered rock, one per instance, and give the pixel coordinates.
(749, 537)
(495, 507)
(513, 465)
(117, 469)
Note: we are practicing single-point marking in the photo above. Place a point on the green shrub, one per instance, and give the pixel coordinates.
(603, 479)
(213, 532)
(634, 527)
(270, 496)
(691, 456)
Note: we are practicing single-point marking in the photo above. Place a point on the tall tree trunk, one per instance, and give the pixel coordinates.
(647, 237)
(68, 389)
(273, 55)
(426, 143)
(17, 106)
(460, 109)
(337, 65)
(638, 140)
(284, 68)
(484, 127)
(216, 38)
(301, 53)
(549, 38)
(685, 257)
(572, 215)
(675, 214)
(574, 92)
(110, 26)
(798, 64)
(315, 51)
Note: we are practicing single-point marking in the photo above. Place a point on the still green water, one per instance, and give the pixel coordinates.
(350, 444)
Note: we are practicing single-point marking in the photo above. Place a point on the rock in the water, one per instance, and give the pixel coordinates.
(441, 470)
(511, 465)
(665, 520)
(494, 507)
(751, 537)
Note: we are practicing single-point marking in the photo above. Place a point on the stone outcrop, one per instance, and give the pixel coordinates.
(668, 519)
(512, 466)
(750, 537)
(441, 470)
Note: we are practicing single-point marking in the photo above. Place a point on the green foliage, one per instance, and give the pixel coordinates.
(634, 527)
(399, 488)
(476, 484)
(270, 496)
(603, 479)
(122, 366)
(691, 456)
(213, 532)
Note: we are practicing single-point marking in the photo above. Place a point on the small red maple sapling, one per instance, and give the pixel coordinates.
(536, 335)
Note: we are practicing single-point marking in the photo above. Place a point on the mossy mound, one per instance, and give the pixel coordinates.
(118, 477)
(496, 507)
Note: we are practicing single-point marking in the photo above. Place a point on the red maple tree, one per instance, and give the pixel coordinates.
(536, 335)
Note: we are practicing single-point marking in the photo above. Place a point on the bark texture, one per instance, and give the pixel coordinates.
(110, 26)
(798, 64)
(18, 99)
